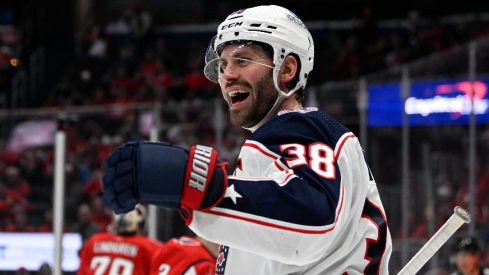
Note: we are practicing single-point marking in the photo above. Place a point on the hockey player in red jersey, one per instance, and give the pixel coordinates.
(185, 256)
(126, 251)
(301, 200)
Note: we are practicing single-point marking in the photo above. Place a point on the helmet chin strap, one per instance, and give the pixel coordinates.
(281, 96)
(270, 113)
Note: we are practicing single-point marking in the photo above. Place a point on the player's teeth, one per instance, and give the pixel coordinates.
(235, 93)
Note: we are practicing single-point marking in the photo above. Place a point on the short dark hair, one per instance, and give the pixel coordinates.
(466, 244)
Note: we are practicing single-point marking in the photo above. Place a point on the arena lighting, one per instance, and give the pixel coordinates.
(14, 62)
(440, 104)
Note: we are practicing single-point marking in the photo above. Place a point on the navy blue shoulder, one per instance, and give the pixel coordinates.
(303, 126)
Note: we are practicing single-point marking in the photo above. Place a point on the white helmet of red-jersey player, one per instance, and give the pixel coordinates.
(273, 25)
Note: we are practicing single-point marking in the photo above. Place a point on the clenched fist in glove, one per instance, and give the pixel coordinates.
(164, 175)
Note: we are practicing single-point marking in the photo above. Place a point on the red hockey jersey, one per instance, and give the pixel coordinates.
(108, 254)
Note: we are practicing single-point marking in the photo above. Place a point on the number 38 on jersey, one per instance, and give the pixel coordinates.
(321, 158)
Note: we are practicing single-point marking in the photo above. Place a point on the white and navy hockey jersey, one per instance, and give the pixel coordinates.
(302, 200)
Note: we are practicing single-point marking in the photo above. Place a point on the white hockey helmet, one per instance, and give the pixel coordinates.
(131, 222)
(273, 25)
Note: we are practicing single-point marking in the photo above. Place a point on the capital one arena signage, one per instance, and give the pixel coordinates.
(428, 103)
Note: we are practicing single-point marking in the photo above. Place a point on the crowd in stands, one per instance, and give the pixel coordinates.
(146, 68)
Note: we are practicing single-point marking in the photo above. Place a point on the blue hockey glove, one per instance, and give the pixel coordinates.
(164, 175)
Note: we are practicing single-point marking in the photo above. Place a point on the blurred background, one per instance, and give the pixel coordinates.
(408, 78)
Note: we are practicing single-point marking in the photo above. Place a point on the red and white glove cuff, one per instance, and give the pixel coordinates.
(205, 179)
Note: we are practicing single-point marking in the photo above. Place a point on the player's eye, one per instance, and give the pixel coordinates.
(243, 61)
(222, 66)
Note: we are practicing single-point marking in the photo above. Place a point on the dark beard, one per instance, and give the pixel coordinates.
(263, 101)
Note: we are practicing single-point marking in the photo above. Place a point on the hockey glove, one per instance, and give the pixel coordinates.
(164, 175)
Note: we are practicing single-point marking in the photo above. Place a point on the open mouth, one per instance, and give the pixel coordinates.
(238, 96)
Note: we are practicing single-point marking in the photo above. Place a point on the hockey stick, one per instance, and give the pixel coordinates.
(459, 217)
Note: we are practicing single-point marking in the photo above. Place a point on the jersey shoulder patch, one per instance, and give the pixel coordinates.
(301, 111)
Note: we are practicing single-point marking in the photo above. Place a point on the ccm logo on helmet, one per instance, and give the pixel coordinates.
(232, 25)
(200, 167)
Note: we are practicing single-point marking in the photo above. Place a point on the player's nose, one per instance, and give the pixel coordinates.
(230, 72)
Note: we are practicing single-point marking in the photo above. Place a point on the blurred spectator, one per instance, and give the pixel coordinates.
(6, 54)
(140, 24)
(31, 166)
(462, 196)
(122, 80)
(160, 77)
(375, 55)
(84, 224)
(98, 96)
(117, 108)
(145, 93)
(98, 44)
(7, 71)
(164, 53)
(59, 93)
(196, 83)
(93, 188)
(6, 203)
(368, 29)
(99, 214)
(417, 226)
(444, 193)
(22, 271)
(347, 63)
(127, 59)
(436, 34)
(20, 222)
(468, 253)
(418, 34)
(128, 130)
(15, 183)
(16, 187)
(331, 45)
(149, 65)
(44, 269)
(47, 224)
(398, 51)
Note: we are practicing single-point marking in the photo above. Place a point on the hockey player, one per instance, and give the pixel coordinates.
(127, 251)
(301, 200)
(185, 256)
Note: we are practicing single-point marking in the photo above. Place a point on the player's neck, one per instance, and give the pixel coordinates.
(289, 104)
